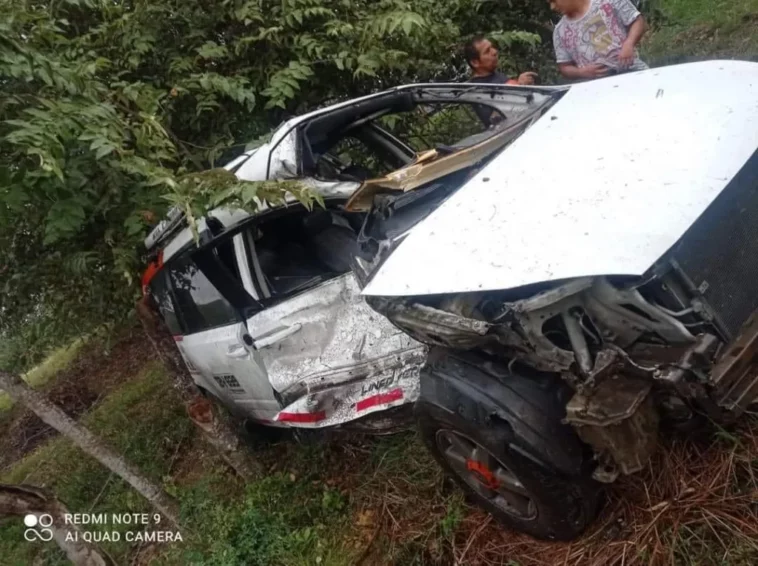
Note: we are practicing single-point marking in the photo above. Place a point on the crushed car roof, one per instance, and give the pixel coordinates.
(254, 164)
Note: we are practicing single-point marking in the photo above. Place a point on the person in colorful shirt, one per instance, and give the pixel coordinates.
(596, 38)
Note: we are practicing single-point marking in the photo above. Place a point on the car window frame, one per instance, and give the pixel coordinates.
(232, 289)
(162, 277)
(205, 258)
(270, 301)
(439, 106)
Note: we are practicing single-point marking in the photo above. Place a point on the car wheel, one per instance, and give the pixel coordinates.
(516, 490)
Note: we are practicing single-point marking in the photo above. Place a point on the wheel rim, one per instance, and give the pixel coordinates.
(485, 474)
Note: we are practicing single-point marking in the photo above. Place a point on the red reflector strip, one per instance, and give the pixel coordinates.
(178, 338)
(301, 417)
(381, 399)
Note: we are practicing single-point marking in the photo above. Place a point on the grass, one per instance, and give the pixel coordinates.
(45, 371)
(694, 29)
(320, 504)
(341, 502)
(141, 420)
(376, 501)
(276, 520)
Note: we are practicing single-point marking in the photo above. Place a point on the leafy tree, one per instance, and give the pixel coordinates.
(105, 107)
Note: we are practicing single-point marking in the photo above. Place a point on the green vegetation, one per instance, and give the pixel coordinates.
(109, 111)
(320, 503)
(340, 499)
(273, 521)
(142, 420)
(106, 74)
(45, 371)
(686, 29)
(54, 363)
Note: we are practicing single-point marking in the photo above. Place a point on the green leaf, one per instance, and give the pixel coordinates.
(106, 106)
(211, 50)
(103, 151)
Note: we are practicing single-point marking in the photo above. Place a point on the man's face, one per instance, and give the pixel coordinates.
(487, 61)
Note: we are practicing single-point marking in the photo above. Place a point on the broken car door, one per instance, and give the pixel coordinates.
(328, 355)
(213, 341)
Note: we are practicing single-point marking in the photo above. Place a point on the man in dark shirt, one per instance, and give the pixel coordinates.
(481, 56)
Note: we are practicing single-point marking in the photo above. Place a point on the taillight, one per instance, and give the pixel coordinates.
(285, 417)
(152, 269)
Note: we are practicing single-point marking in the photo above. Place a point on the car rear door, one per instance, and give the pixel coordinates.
(316, 331)
(213, 342)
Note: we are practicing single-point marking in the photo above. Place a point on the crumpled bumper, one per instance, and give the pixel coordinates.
(344, 395)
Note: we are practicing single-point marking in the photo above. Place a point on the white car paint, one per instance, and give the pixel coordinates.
(231, 216)
(236, 375)
(277, 158)
(605, 183)
(358, 398)
(227, 216)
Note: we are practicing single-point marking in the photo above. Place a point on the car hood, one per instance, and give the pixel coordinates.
(603, 184)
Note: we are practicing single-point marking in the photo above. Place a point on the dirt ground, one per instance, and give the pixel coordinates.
(94, 373)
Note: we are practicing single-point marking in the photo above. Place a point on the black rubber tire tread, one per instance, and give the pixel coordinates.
(565, 505)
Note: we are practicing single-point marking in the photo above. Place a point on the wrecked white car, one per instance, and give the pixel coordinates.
(266, 310)
(590, 284)
(554, 288)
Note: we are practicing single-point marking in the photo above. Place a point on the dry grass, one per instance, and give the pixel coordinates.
(404, 509)
(696, 503)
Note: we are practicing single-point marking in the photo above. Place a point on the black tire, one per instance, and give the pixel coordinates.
(563, 506)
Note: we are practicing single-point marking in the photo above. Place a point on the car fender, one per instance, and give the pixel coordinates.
(484, 392)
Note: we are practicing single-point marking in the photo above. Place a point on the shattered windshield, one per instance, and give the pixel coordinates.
(430, 126)
(471, 148)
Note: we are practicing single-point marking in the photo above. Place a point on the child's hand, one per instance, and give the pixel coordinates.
(626, 55)
(593, 71)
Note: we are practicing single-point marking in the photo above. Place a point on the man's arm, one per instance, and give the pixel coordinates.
(572, 72)
(636, 31)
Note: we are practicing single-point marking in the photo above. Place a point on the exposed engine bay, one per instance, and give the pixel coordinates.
(633, 352)
(674, 346)
(628, 274)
